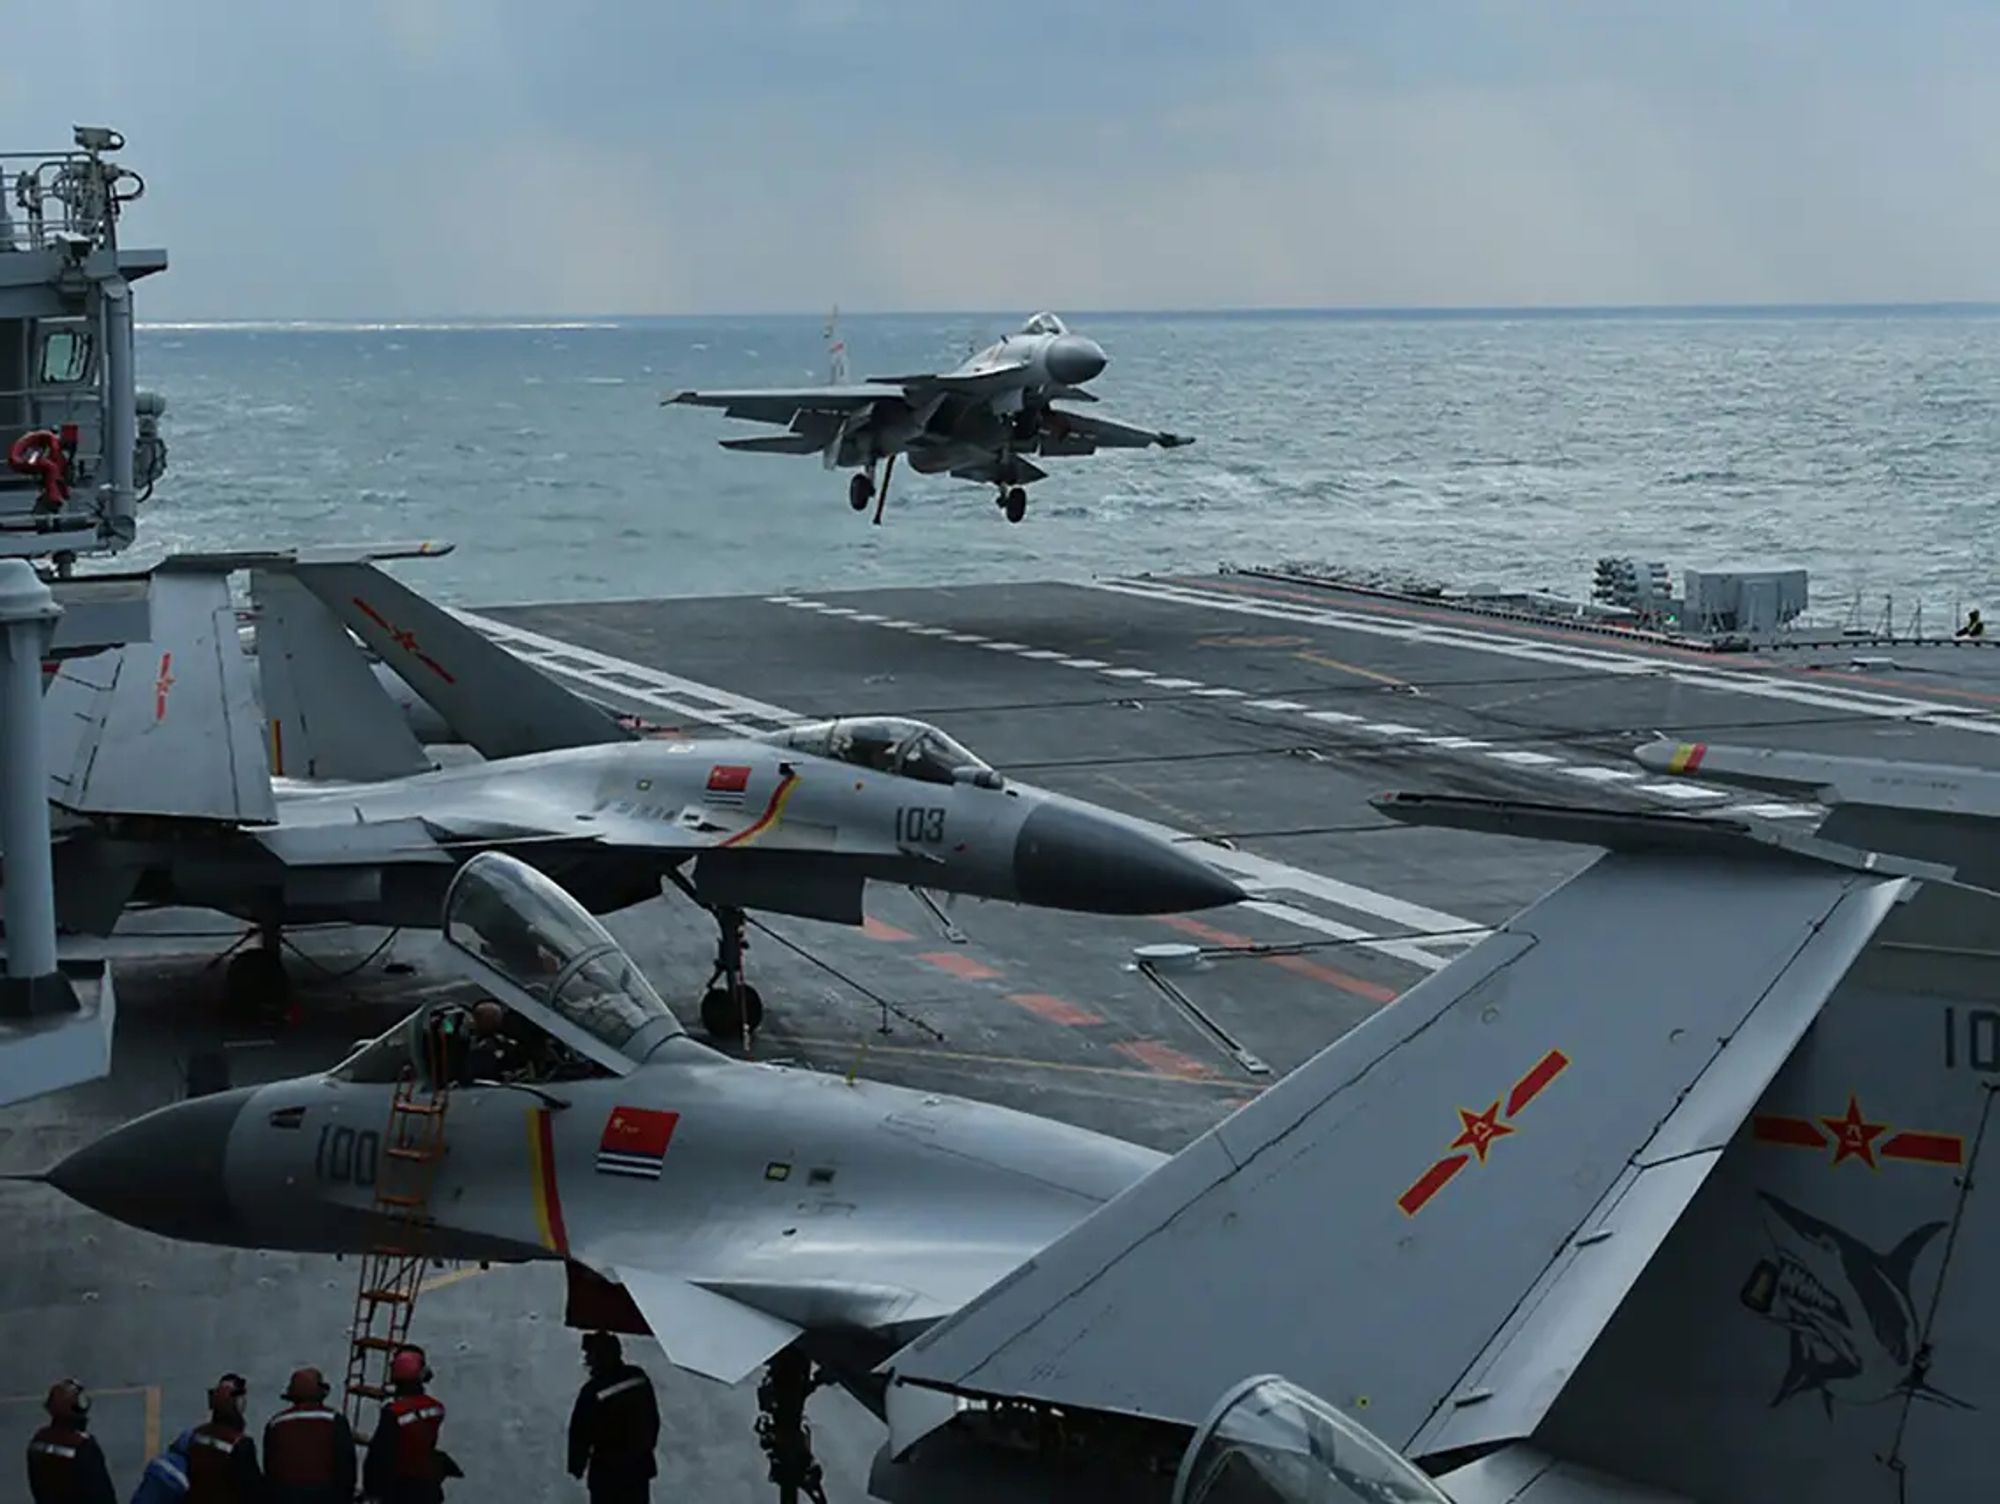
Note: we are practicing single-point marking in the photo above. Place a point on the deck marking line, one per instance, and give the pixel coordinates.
(1056, 1010)
(875, 929)
(959, 965)
(1230, 940)
(1164, 1059)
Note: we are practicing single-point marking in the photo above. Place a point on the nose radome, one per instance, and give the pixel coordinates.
(1073, 360)
(1070, 857)
(165, 1172)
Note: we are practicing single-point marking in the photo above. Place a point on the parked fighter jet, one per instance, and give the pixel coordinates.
(163, 747)
(984, 420)
(1571, 1222)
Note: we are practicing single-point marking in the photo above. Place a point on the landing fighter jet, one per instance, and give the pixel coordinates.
(1660, 1193)
(161, 751)
(985, 420)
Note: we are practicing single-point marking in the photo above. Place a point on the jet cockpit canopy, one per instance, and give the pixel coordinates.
(1270, 1442)
(889, 744)
(1044, 323)
(541, 953)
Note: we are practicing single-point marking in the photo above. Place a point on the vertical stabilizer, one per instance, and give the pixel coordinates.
(170, 726)
(327, 714)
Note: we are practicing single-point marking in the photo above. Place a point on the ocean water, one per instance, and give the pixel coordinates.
(1504, 448)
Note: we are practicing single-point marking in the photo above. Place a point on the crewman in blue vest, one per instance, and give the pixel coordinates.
(165, 1480)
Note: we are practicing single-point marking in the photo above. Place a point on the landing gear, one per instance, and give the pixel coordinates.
(730, 1007)
(1013, 500)
(882, 498)
(861, 489)
(255, 982)
(782, 1431)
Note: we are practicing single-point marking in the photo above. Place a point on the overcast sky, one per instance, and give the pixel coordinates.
(410, 158)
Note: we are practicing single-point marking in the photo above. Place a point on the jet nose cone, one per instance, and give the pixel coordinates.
(164, 1172)
(1073, 360)
(1070, 857)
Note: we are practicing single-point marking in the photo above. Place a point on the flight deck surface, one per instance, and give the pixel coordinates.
(1254, 716)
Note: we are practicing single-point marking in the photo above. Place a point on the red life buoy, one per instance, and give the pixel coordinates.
(40, 452)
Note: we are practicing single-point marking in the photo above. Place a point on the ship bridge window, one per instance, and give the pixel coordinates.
(1044, 323)
(65, 356)
(885, 744)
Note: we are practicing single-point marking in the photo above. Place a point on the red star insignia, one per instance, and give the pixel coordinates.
(1853, 1135)
(1481, 1128)
(405, 639)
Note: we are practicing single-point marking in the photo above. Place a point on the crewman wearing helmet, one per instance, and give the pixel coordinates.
(222, 1459)
(308, 1448)
(65, 1464)
(405, 1464)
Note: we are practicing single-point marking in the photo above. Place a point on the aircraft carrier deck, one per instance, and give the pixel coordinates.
(1254, 713)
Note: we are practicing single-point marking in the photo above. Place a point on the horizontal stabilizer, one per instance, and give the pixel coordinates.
(502, 705)
(702, 1332)
(780, 443)
(1932, 812)
(327, 714)
(1434, 1217)
(170, 726)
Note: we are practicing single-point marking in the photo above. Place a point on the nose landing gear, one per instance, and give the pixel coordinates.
(734, 1009)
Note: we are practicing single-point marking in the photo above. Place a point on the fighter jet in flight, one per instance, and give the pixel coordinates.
(987, 419)
(1733, 1178)
(161, 763)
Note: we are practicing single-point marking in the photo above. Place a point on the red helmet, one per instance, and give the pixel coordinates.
(409, 1367)
(67, 1401)
(307, 1386)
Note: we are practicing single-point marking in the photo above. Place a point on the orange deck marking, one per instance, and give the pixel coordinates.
(958, 965)
(1163, 1058)
(1303, 966)
(1054, 1009)
(875, 929)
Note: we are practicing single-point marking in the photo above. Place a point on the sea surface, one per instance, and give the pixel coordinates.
(1498, 447)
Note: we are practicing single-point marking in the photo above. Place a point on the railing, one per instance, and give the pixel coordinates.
(55, 198)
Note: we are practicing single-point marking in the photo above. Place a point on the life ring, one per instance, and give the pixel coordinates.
(40, 452)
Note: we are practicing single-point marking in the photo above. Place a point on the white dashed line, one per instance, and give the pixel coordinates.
(1685, 793)
(1677, 792)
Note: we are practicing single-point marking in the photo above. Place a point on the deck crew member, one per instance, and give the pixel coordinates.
(614, 1426)
(222, 1459)
(308, 1448)
(1975, 625)
(165, 1480)
(65, 1464)
(405, 1464)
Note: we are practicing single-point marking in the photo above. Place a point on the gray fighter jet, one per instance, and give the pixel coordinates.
(162, 755)
(733, 1205)
(1596, 1215)
(987, 419)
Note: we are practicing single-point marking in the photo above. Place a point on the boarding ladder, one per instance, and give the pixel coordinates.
(392, 1271)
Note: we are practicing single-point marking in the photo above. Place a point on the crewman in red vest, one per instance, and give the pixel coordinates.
(65, 1464)
(222, 1459)
(308, 1449)
(405, 1465)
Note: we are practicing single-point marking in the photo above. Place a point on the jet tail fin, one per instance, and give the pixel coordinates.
(1340, 1229)
(328, 715)
(502, 706)
(170, 726)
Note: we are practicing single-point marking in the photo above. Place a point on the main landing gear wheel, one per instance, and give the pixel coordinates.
(860, 491)
(1014, 502)
(725, 1018)
(256, 983)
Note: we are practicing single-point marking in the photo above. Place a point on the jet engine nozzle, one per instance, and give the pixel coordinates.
(1072, 360)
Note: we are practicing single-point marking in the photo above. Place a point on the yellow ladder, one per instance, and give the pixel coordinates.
(392, 1272)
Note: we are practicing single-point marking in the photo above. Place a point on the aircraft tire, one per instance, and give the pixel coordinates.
(860, 491)
(256, 983)
(720, 1018)
(1016, 504)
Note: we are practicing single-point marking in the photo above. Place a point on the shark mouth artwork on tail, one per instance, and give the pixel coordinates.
(1855, 1333)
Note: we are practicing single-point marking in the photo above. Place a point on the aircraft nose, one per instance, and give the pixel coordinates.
(1073, 360)
(163, 1172)
(1068, 857)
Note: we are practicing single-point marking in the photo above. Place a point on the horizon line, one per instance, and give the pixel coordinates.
(1275, 310)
